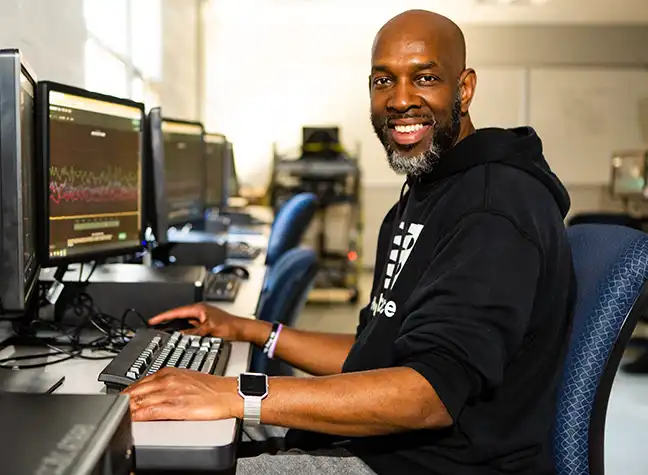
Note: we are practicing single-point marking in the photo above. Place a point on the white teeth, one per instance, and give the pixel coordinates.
(408, 128)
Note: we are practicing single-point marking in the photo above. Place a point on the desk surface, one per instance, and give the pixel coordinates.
(81, 378)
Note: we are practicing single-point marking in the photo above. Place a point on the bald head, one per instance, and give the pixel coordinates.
(439, 32)
(420, 89)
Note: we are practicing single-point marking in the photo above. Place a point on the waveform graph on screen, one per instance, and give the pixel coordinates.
(93, 171)
(75, 191)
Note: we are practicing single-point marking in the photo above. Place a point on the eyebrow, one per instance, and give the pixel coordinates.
(380, 68)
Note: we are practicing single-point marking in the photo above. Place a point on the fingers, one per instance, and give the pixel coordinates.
(149, 384)
(190, 311)
(160, 412)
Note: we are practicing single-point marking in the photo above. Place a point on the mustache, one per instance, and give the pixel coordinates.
(426, 119)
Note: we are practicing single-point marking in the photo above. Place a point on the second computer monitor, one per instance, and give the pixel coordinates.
(184, 170)
(90, 175)
(215, 170)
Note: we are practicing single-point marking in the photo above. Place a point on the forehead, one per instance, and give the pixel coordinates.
(406, 48)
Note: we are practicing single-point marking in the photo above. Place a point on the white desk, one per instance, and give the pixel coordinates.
(81, 378)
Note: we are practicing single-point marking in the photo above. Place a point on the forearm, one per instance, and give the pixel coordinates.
(313, 352)
(355, 404)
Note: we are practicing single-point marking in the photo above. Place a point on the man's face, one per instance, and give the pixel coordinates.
(415, 103)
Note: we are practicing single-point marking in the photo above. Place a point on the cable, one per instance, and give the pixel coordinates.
(123, 320)
(84, 309)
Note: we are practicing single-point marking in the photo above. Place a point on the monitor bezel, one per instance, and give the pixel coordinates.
(17, 292)
(223, 190)
(233, 185)
(43, 127)
(200, 215)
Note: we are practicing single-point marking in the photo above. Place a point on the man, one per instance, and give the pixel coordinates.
(456, 360)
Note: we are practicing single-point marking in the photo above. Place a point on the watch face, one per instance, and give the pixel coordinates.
(253, 384)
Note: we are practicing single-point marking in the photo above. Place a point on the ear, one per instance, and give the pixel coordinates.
(467, 86)
(369, 84)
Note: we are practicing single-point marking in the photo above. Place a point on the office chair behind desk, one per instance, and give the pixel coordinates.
(611, 266)
(284, 295)
(290, 225)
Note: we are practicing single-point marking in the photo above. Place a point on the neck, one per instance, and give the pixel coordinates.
(466, 128)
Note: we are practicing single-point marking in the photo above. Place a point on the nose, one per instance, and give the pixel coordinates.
(403, 98)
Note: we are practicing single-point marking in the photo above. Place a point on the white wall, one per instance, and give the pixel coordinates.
(50, 34)
(289, 66)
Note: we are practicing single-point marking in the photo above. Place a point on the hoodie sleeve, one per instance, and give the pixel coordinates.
(471, 308)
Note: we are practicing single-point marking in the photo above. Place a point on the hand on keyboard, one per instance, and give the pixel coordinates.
(181, 394)
(207, 320)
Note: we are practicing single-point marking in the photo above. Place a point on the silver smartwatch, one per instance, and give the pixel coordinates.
(253, 388)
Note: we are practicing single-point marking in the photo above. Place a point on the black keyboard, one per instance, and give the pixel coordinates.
(242, 250)
(151, 350)
(222, 287)
(242, 219)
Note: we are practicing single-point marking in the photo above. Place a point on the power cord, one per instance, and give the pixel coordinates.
(115, 334)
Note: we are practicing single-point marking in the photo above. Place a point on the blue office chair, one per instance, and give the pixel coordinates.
(611, 265)
(290, 225)
(284, 295)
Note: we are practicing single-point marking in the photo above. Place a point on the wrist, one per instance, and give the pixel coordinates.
(255, 331)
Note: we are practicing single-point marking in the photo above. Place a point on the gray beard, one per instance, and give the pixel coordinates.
(414, 165)
(443, 139)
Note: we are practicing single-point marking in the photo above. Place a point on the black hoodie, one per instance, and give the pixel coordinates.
(479, 304)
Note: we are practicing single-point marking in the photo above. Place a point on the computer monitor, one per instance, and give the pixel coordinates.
(184, 170)
(215, 165)
(90, 190)
(156, 214)
(629, 174)
(18, 263)
(321, 141)
(233, 183)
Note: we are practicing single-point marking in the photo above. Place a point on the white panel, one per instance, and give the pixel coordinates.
(499, 100)
(583, 115)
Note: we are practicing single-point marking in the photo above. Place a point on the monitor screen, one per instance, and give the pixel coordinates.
(184, 172)
(28, 159)
(94, 179)
(215, 147)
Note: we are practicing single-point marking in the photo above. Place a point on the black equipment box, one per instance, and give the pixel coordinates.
(65, 434)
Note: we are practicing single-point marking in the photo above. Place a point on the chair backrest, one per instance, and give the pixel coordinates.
(611, 266)
(620, 219)
(290, 224)
(285, 292)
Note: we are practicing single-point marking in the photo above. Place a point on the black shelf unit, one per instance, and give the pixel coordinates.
(335, 181)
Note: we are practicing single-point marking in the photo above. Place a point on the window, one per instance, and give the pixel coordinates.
(123, 53)
(104, 72)
(146, 34)
(107, 22)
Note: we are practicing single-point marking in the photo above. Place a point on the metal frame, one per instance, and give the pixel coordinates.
(43, 161)
(596, 434)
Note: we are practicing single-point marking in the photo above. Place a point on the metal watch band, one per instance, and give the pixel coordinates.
(252, 410)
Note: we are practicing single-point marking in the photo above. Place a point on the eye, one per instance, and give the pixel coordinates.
(427, 79)
(381, 82)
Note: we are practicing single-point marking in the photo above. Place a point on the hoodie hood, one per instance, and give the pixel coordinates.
(519, 148)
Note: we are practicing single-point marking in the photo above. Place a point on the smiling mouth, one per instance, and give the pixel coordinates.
(409, 134)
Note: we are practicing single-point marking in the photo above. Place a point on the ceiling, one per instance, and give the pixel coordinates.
(462, 11)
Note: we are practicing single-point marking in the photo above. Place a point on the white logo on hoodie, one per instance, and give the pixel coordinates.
(398, 255)
(403, 243)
